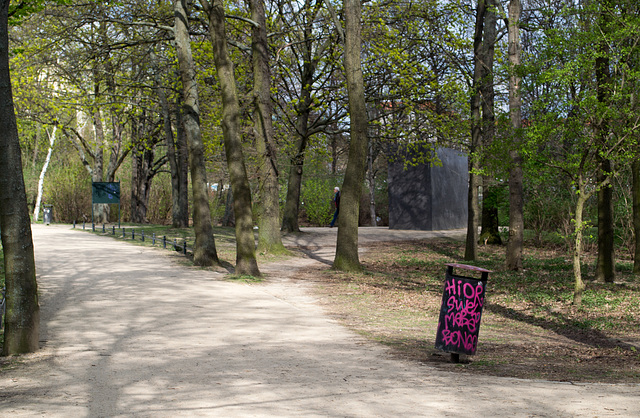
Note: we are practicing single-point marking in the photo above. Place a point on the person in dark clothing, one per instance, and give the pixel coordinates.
(336, 203)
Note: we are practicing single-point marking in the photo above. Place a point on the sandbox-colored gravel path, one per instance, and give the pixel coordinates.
(131, 331)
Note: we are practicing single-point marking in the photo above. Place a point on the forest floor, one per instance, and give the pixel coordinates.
(529, 327)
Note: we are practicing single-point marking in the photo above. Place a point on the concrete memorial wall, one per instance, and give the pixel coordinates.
(429, 198)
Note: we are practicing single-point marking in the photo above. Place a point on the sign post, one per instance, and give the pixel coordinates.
(105, 193)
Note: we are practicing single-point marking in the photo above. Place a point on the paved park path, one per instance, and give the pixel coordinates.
(129, 331)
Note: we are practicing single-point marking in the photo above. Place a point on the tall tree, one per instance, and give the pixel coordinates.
(176, 155)
(204, 252)
(490, 190)
(471, 246)
(182, 166)
(566, 118)
(52, 140)
(269, 238)
(635, 168)
(516, 219)
(605, 267)
(144, 165)
(303, 109)
(347, 245)
(83, 93)
(22, 321)
(246, 263)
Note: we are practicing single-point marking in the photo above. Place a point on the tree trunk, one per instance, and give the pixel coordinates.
(22, 320)
(52, 139)
(36, 147)
(204, 251)
(347, 246)
(246, 263)
(303, 110)
(117, 154)
(372, 186)
(269, 238)
(100, 210)
(471, 244)
(636, 215)
(579, 285)
(292, 205)
(228, 219)
(605, 267)
(179, 220)
(334, 152)
(471, 247)
(135, 189)
(182, 155)
(142, 174)
(516, 218)
(490, 227)
(489, 222)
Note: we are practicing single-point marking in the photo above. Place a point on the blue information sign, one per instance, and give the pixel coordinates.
(106, 192)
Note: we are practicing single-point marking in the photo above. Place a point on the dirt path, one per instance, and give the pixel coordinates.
(130, 331)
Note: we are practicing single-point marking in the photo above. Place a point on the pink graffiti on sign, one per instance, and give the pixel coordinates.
(461, 314)
(460, 339)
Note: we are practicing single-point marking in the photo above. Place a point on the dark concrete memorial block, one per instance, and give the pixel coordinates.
(429, 198)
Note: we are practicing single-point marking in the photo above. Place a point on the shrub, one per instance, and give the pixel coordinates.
(68, 188)
(316, 200)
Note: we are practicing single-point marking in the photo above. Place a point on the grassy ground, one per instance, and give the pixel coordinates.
(175, 238)
(529, 327)
(133, 233)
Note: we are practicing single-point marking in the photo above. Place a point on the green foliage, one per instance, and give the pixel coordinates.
(548, 205)
(416, 60)
(316, 195)
(20, 10)
(623, 212)
(160, 202)
(159, 210)
(68, 189)
(567, 108)
(416, 90)
(217, 206)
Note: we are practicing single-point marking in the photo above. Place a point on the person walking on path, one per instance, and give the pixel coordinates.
(336, 203)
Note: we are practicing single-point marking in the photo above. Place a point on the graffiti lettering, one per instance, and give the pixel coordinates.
(460, 339)
(460, 315)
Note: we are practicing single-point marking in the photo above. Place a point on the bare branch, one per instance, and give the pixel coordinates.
(244, 19)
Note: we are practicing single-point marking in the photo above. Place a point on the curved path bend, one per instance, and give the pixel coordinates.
(129, 331)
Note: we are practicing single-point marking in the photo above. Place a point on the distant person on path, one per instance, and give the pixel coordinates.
(336, 203)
